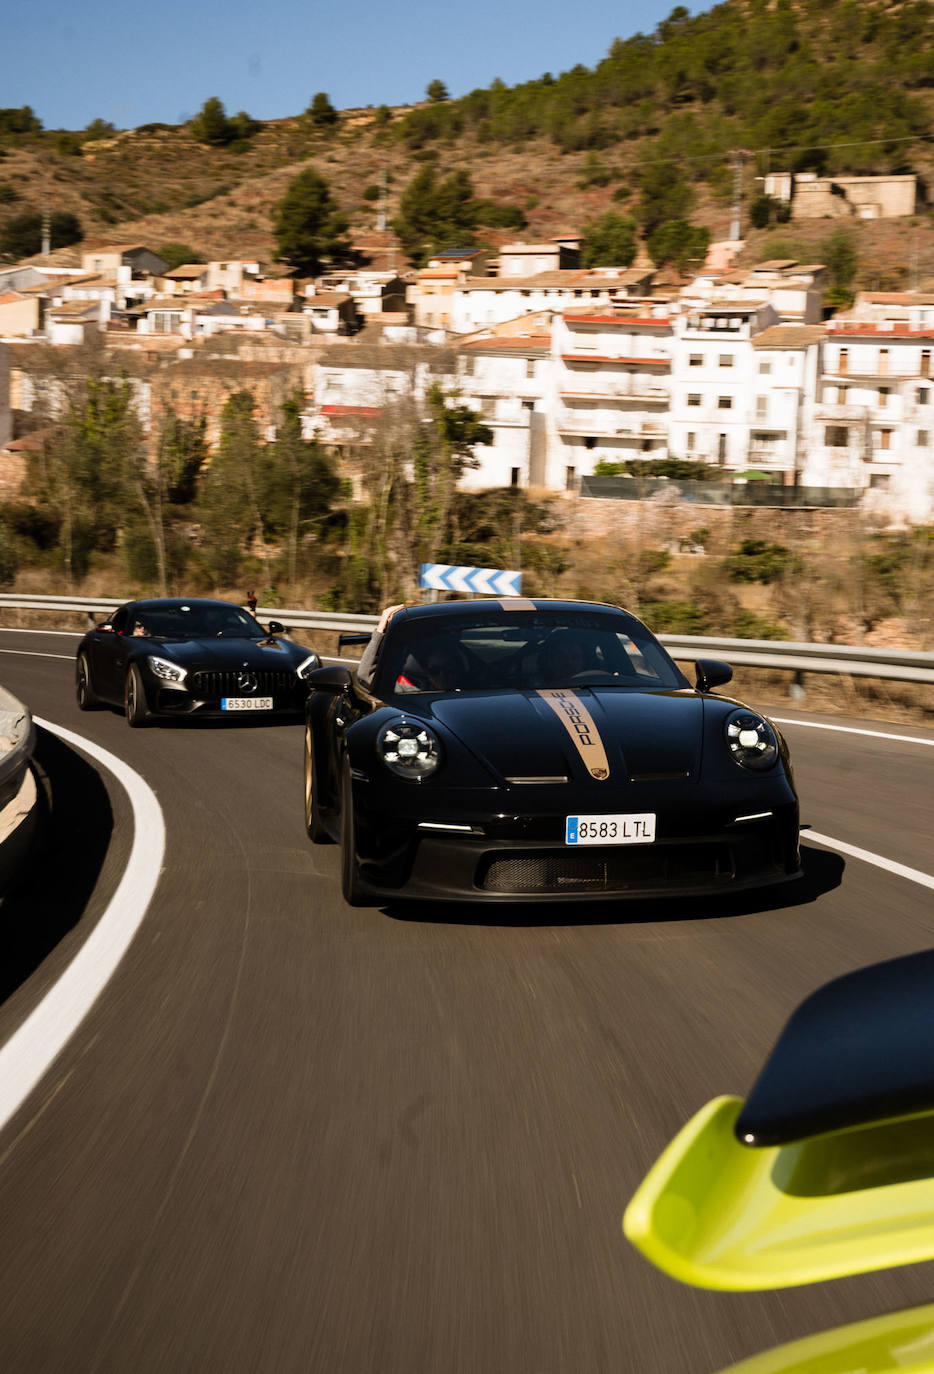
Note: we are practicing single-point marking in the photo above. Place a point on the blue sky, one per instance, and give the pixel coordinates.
(74, 63)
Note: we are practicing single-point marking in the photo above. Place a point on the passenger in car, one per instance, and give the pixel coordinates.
(445, 670)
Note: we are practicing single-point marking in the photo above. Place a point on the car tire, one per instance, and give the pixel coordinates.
(134, 699)
(85, 694)
(314, 827)
(350, 874)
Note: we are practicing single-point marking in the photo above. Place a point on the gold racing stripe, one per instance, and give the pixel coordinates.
(579, 724)
(517, 603)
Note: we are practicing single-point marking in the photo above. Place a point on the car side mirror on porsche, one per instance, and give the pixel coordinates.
(277, 628)
(345, 639)
(710, 673)
(333, 679)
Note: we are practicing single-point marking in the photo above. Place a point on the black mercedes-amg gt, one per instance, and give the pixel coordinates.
(523, 750)
(177, 656)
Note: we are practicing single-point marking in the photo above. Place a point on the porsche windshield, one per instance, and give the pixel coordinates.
(196, 622)
(532, 651)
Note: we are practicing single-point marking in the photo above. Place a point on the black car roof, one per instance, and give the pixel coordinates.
(496, 607)
(173, 603)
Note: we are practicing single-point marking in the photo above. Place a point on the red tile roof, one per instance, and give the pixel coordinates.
(364, 412)
(616, 318)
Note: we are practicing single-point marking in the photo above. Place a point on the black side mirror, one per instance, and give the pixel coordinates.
(277, 628)
(710, 673)
(344, 639)
(334, 679)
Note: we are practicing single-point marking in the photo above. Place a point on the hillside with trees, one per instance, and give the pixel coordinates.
(648, 136)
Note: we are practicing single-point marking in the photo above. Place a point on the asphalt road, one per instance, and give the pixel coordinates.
(295, 1137)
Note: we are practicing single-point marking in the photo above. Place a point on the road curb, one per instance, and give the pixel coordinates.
(19, 795)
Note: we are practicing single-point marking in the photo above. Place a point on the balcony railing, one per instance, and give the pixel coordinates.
(831, 410)
(653, 395)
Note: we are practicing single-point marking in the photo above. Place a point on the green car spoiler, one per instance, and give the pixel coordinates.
(897, 1343)
(827, 1169)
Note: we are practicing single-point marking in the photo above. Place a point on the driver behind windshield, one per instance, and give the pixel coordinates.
(563, 656)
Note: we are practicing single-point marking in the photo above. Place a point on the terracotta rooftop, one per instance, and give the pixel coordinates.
(875, 329)
(897, 297)
(612, 315)
(439, 274)
(76, 309)
(789, 336)
(572, 277)
(518, 343)
(326, 298)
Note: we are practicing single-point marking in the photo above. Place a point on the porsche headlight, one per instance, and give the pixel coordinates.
(751, 740)
(409, 749)
(308, 665)
(168, 672)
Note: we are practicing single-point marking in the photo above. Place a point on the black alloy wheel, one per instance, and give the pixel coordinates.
(137, 712)
(85, 694)
(314, 827)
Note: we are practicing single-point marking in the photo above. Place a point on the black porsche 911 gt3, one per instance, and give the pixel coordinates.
(523, 750)
(177, 656)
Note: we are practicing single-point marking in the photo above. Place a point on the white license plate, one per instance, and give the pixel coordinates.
(638, 828)
(246, 703)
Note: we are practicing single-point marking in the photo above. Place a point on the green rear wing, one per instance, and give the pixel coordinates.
(828, 1168)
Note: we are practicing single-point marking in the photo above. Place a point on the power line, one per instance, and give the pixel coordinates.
(781, 148)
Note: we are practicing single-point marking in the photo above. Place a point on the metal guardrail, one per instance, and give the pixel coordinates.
(894, 665)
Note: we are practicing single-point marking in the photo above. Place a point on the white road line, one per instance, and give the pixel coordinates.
(31, 653)
(15, 630)
(914, 875)
(32, 1049)
(852, 730)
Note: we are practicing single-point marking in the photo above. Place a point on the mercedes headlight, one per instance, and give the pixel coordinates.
(308, 665)
(409, 749)
(751, 740)
(168, 672)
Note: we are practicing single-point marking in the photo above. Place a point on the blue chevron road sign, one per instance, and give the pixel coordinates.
(487, 581)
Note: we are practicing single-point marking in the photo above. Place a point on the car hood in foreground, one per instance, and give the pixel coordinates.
(608, 733)
(217, 654)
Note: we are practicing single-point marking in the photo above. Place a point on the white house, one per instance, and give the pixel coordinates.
(713, 381)
(874, 414)
(330, 312)
(529, 259)
(188, 279)
(506, 378)
(355, 385)
(794, 290)
(74, 322)
(229, 276)
(373, 293)
(132, 266)
(479, 302)
(612, 388)
(786, 366)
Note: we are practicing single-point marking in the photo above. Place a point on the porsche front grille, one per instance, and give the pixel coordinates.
(617, 870)
(208, 686)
